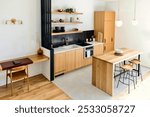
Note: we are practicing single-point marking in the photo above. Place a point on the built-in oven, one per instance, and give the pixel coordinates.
(88, 51)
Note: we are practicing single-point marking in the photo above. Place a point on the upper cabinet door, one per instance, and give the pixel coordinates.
(109, 31)
(109, 16)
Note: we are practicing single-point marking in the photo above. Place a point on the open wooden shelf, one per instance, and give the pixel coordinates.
(66, 23)
(67, 32)
(66, 13)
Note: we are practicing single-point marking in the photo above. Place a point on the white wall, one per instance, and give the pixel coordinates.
(19, 40)
(87, 7)
(136, 37)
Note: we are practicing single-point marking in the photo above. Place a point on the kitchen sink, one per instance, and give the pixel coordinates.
(70, 47)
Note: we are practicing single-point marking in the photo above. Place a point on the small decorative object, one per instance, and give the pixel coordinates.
(78, 19)
(62, 29)
(13, 21)
(69, 10)
(61, 20)
(100, 37)
(118, 52)
(60, 10)
(71, 19)
(40, 51)
(16, 62)
(74, 10)
(75, 29)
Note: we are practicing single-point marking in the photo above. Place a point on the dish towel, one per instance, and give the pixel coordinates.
(88, 53)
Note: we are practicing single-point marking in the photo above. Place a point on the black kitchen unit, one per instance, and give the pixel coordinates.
(46, 32)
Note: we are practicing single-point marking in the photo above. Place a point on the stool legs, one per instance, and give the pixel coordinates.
(129, 83)
(141, 73)
(128, 76)
(119, 80)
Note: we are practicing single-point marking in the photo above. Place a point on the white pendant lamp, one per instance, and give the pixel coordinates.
(119, 22)
(134, 21)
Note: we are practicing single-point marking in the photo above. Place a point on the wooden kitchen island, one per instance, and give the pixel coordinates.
(103, 68)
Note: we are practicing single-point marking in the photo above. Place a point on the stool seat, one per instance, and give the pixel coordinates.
(127, 71)
(135, 61)
(127, 67)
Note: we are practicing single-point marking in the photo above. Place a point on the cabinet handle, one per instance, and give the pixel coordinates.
(112, 39)
(104, 48)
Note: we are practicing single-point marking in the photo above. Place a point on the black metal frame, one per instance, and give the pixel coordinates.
(138, 70)
(46, 32)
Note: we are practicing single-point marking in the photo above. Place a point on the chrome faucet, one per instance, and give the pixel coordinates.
(66, 42)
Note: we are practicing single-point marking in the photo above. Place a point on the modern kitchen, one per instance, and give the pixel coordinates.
(81, 50)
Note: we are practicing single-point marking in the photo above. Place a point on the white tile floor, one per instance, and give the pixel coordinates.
(77, 85)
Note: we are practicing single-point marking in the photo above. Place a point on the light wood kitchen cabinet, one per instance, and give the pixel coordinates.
(104, 22)
(98, 49)
(59, 60)
(87, 61)
(74, 59)
(79, 58)
(108, 47)
(70, 60)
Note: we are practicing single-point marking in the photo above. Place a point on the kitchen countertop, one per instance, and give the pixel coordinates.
(110, 57)
(72, 47)
(103, 68)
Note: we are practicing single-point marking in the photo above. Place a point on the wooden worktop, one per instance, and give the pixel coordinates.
(35, 58)
(110, 57)
(103, 68)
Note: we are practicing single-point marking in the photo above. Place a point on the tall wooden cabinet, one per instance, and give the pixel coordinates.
(104, 22)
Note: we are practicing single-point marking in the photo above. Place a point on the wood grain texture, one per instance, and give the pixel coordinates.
(60, 63)
(98, 50)
(79, 58)
(103, 68)
(70, 60)
(102, 75)
(40, 89)
(104, 22)
(38, 58)
(66, 13)
(112, 58)
(35, 58)
(66, 23)
(67, 32)
(108, 47)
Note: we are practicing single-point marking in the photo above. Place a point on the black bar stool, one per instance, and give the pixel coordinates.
(127, 71)
(137, 64)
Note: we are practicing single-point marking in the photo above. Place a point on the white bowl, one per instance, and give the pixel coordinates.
(118, 51)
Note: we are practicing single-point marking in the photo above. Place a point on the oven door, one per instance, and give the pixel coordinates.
(88, 53)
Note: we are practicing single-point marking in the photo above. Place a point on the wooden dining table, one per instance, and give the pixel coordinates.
(103, 68)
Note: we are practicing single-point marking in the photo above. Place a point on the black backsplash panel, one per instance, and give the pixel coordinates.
(58, 40)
